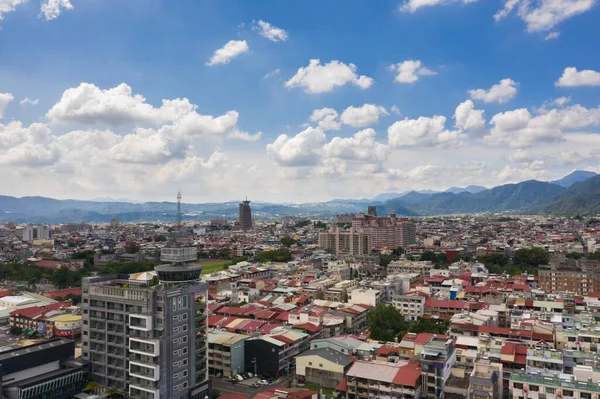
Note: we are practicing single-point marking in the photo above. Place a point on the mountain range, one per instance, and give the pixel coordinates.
(575, 194)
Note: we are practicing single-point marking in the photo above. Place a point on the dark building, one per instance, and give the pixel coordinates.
(42, 370)
(372, 211)
(245, 216)
(274, 355)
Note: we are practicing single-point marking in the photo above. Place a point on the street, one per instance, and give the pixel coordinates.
(225, 386)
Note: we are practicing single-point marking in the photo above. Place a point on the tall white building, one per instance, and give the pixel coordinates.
(36, 232)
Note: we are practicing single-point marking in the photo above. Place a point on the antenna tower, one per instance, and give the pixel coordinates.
(179, 209)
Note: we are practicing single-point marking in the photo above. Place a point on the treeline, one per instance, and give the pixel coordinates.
(277, 255)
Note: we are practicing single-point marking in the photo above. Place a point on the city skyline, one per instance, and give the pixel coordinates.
(293, 105)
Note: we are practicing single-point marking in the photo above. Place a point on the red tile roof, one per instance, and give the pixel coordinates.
(386, 350)
(447, 304)
(62, 293)
(51, 264)
(342, 385)
(307, 327)
(408, 375)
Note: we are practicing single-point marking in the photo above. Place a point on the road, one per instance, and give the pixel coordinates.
(225, 386)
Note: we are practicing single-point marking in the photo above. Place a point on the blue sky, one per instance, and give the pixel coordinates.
(512, 109)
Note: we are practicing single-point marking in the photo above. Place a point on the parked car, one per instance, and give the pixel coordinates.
(239, 377)
(263, 382)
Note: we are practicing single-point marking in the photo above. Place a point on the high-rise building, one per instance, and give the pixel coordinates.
(581, 276)
(386, 231)
(372, 210)
(346, 242)
(36, 232)
(148, 337)
(245, 216)
(437, 359)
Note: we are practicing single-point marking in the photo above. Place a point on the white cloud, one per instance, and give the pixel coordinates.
(422, 132)
(229, 51)
(360, 147)
(365, 115)
(519, 128)
(300, 150)
(270, 32)
(33, 146)
(514, 174)
(396, 110)
(5, 99)
(521, 155)
(147, 146)
(414, 5)
(544, 15)
(29, 101)
(215, 160)
(501, 92)
(7, 6)
(273, 73)
(469, 118)
(409, 71)
(569, 157)
(326, 119)
(552, 36)
(571, 77)
(316, 78)
(51, 9)
(464, 173)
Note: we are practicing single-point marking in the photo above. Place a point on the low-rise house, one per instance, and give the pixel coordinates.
(322, 367)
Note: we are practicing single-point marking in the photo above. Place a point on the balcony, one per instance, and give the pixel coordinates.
(136, 391)
(140, 322)
(148, 347)
(144, 371)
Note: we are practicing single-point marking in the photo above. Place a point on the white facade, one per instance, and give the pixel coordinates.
(365, 297)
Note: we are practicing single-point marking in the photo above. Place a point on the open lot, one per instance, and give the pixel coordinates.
(213, 265)
(225, 386)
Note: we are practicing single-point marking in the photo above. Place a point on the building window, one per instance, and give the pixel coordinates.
(518, 385)
(534, 388)
(184, 362)
(184, 316)
(184, 327)
(310, 363)
(184, 373)
(184, 350)
(184, 302)
(567, 393)
(184, 339)
(184, 385)
(320, 364)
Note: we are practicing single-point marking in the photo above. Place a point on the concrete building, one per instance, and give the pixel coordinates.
(485, 381)
(411, 304)
(343, 243)
(437, 358)
(43, 370)
(273, 354)
(405, 266)
(580, 276)
(148, 340)
(375, 379)
(361, 296)
(35, 232)
(226, 353)
(245, 216)
(386, 231)
(323, 367)
(551, 384)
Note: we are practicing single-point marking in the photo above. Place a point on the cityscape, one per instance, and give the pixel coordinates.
(317, 199)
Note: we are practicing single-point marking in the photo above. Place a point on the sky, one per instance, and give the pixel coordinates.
(293, 101)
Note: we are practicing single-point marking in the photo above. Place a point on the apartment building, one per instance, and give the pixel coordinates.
(405, 266)
(148, 340)
(322, 367)
(548, 384)
(226, 353)
(411, 304)
(343, 243)
(383, 380)
(385, 231)
(437, 359)
(580, 276)
(485, 381)
(273, 354)
(362, 296)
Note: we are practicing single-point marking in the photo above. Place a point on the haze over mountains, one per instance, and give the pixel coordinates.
(575, 194)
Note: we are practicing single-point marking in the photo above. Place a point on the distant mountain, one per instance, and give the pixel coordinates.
(390, 196)
(574, 177)
(581, 198)
(469, 189)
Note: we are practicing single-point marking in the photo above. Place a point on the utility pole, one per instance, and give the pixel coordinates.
(254, 361)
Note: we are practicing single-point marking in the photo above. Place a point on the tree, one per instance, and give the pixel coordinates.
(287, 241)
(385, 260)
(277, 255)
(428, 256)
(385, 322)
(574, 255)
(93, 387)
(114, 393)
(75, 299)
(320, 225)
(160, 238)
(216, 393)
(530, 256)
(14, 330)
(62, 278)
(132, 247)
(398, 252)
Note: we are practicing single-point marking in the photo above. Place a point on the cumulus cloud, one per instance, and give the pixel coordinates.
(7, 6)
(300, 150)
(270, 32)
(514, 174)
(51, 9)
(409, 71)
(519, 128)
(520, 155)
(568, 157)
(32, 146)
(396, 110)
(326, 119)
(544, 15)
(29, 101)
(423, 131)
(365, 115)
(5, 99)
(571, 77)
(469, 118)
(360, 147)
(501, 92)
(316, 78)
(229, 51)
(414, 5)
(273, 73)
(429, 174)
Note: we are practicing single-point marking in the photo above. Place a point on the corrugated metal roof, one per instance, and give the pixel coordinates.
(375, 370)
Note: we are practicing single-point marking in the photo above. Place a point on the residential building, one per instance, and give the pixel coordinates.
(343, 243)
(485, 381)
(362, 296)
(377, 379)
(411, 304)
(322, 367)
(406, 266)
(386, 231)
(580, 276)
(36, 232)
(148, 340)
(437, 359)
(551, 384)
(226, 353)
(46, 369)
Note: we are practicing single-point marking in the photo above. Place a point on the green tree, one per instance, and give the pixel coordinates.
(574, 255)
(160, 238)
(287, 241)
(75, 299)
(385, 322)
(132, 247)
(428, 256)
(277, 255)
(216, 392)
(320, 225)
(126, 267)
(398, 252)
(14, 330)
(385, 260)
(63, 278)
(530, 257)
